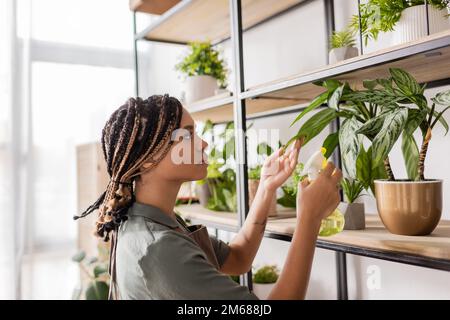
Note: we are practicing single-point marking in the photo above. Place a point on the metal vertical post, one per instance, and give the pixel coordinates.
(135, 49)
(428, 17)
(361, 44)
(239, 114)
(330, 24)
(341, 262)
(341, 267)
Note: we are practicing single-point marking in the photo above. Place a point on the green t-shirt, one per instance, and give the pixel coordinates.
(153, 261)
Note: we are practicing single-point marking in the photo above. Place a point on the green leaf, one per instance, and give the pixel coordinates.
(97, 290)
(330, 143)
(208, 127)
(439, 117)
(349, 143)
(415, 118)
(405, 82)
(371, 128)
(330, 84)
(314, 125)
(364, 167)
(264, 149)
(79, 256)
(410, 155)
(335, 97)
(378, 97)
(99, 270)
(370, 84)
(442, 98)
(229, 149)
(386, 84)
(388, 135)
(319, 100)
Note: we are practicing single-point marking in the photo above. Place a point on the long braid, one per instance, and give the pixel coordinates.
(136, 133)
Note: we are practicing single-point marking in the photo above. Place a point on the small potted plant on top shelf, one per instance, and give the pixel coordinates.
(342, 44)
(264, 279)
(205, 71)
(409, 18)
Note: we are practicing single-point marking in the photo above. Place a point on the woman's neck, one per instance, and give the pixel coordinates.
(162, 194)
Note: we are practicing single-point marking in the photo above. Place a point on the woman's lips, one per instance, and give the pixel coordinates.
(205, 158)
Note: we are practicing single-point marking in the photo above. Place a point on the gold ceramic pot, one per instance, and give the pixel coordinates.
(411, 208)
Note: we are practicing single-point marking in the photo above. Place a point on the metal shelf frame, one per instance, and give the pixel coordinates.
(240, 120)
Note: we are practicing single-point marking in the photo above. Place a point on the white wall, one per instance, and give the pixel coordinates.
(292, 43)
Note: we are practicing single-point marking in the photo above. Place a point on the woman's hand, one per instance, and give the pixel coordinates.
(279, 166)
(318, 199)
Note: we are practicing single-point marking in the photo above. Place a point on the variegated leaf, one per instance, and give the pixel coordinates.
(373, 126)
(442, 98)
(405, 82)
(388, 135)
(333, 100)
(349, 142)
(410, 155)
(314, 125)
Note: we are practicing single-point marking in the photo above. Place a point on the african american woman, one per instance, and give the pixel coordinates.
(154, 253)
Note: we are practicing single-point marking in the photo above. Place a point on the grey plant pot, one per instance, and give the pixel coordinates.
(355, 218)
(203, 193)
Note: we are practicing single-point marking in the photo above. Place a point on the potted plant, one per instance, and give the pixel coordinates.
(290, 188)
(354, 214)
(408, 17)
(264, 279)
(410, 206)
(205, 71)
(95, 277)
(385, 110)
(342, 44)
(218, 190)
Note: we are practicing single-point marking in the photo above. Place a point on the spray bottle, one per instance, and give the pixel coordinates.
(334, 223)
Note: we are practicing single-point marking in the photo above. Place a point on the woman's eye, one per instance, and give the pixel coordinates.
(187, 136)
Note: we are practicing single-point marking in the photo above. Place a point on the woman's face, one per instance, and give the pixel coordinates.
(186, 159)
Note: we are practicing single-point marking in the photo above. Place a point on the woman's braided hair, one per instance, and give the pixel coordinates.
(135, 134)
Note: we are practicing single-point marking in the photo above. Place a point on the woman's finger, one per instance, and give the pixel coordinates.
(337, 175)
(328, 169)
(304, 183)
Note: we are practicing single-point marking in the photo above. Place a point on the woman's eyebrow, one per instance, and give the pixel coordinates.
(189, 127)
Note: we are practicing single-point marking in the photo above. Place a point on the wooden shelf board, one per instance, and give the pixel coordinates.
(152, 6)
(427, 59)
(220, 108)
(200, 20)
(197, 212)
(375, 236)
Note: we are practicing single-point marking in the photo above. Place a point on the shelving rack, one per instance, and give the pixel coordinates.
(427, 59)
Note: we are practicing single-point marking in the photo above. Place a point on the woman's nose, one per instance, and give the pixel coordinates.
(204, 144)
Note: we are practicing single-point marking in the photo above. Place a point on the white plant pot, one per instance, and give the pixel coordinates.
(354, 214)
(341, 54)
(262, 290)
(200, 87)
(413, 23)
